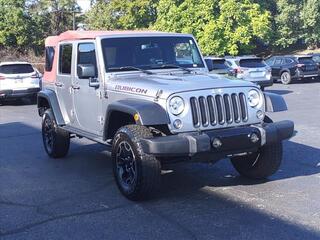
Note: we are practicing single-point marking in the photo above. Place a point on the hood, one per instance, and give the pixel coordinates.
(149, 85)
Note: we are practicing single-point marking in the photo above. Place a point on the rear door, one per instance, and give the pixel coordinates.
(277, 66)
(87, 100)
(63, 82)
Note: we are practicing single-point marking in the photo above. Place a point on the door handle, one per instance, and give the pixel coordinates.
(75, 87)
(59, 84)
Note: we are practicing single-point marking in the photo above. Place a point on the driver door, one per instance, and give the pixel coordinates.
(87, 99)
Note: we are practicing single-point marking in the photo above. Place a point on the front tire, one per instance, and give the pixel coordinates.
(261, 164)
(137, 174)
(56, 141)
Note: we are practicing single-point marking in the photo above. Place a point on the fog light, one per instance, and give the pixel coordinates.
(260, 115)
(177, 123)
(254, 137)
(216, 143)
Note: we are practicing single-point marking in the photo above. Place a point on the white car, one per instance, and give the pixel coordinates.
(18, 80)
(251, 68)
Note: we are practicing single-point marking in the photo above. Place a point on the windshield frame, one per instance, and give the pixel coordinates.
(203, 66)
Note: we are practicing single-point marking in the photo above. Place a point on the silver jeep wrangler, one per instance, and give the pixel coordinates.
(147, 96)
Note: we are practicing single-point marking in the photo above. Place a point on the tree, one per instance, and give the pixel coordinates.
(15, 25)
(122, 14)
(288, 23)
(221, 26)
(57, 14)
(311, 22)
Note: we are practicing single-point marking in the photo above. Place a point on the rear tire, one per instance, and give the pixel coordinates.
(261, 164)
(137, 174)
(56, 141)
(285, 78)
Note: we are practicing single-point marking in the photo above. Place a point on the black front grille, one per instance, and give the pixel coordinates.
(219, 109)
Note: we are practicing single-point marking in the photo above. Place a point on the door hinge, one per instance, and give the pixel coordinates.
(99, 94)
(101, 120)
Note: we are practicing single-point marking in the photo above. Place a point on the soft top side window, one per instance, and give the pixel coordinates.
(49, 56)
(65, 58)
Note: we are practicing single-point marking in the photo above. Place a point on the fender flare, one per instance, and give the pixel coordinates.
(274, 102)
(150, 113)
(52, 99)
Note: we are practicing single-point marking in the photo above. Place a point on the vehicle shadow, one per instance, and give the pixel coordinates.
(18, 102)
(83, 182)
(298, 160)
(280, 92)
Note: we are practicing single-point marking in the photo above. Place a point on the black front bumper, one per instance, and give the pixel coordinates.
(234, 140)
(18, 93)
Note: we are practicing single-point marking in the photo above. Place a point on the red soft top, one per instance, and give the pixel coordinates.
(77, 35)
(53, 41)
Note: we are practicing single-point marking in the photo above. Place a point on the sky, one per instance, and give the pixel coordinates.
(84, 4)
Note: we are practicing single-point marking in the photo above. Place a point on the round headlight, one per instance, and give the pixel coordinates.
(254, 98)
(176, 105)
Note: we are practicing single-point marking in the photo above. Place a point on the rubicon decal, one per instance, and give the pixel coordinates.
(131, 89)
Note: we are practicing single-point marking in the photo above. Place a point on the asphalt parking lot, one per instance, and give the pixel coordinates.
(76, 197)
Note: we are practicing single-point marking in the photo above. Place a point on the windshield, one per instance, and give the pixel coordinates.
(150, 53)
(252, 63)
(16, 69)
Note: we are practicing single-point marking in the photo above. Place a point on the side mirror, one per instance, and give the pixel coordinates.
(86, 71)
(209, 64)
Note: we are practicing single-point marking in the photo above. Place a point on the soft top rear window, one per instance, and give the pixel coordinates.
(16, 69)
(252, 63)
(306, 60)
(219, 64)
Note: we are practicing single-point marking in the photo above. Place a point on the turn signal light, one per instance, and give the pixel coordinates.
(2, 78)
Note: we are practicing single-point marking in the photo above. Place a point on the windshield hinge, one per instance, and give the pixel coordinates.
(158, 94)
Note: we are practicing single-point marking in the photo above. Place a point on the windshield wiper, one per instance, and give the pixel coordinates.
(130, 68)
(173, 66)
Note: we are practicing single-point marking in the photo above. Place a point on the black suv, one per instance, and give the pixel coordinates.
(287, 68)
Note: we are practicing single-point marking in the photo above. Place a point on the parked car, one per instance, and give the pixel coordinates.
(219, 66)
(251, 68)
(288, 68)
(18, 80)
(148, 97)
(316, 58)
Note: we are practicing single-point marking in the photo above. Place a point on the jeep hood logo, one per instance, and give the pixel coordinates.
(131, 89)
(217, 91)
